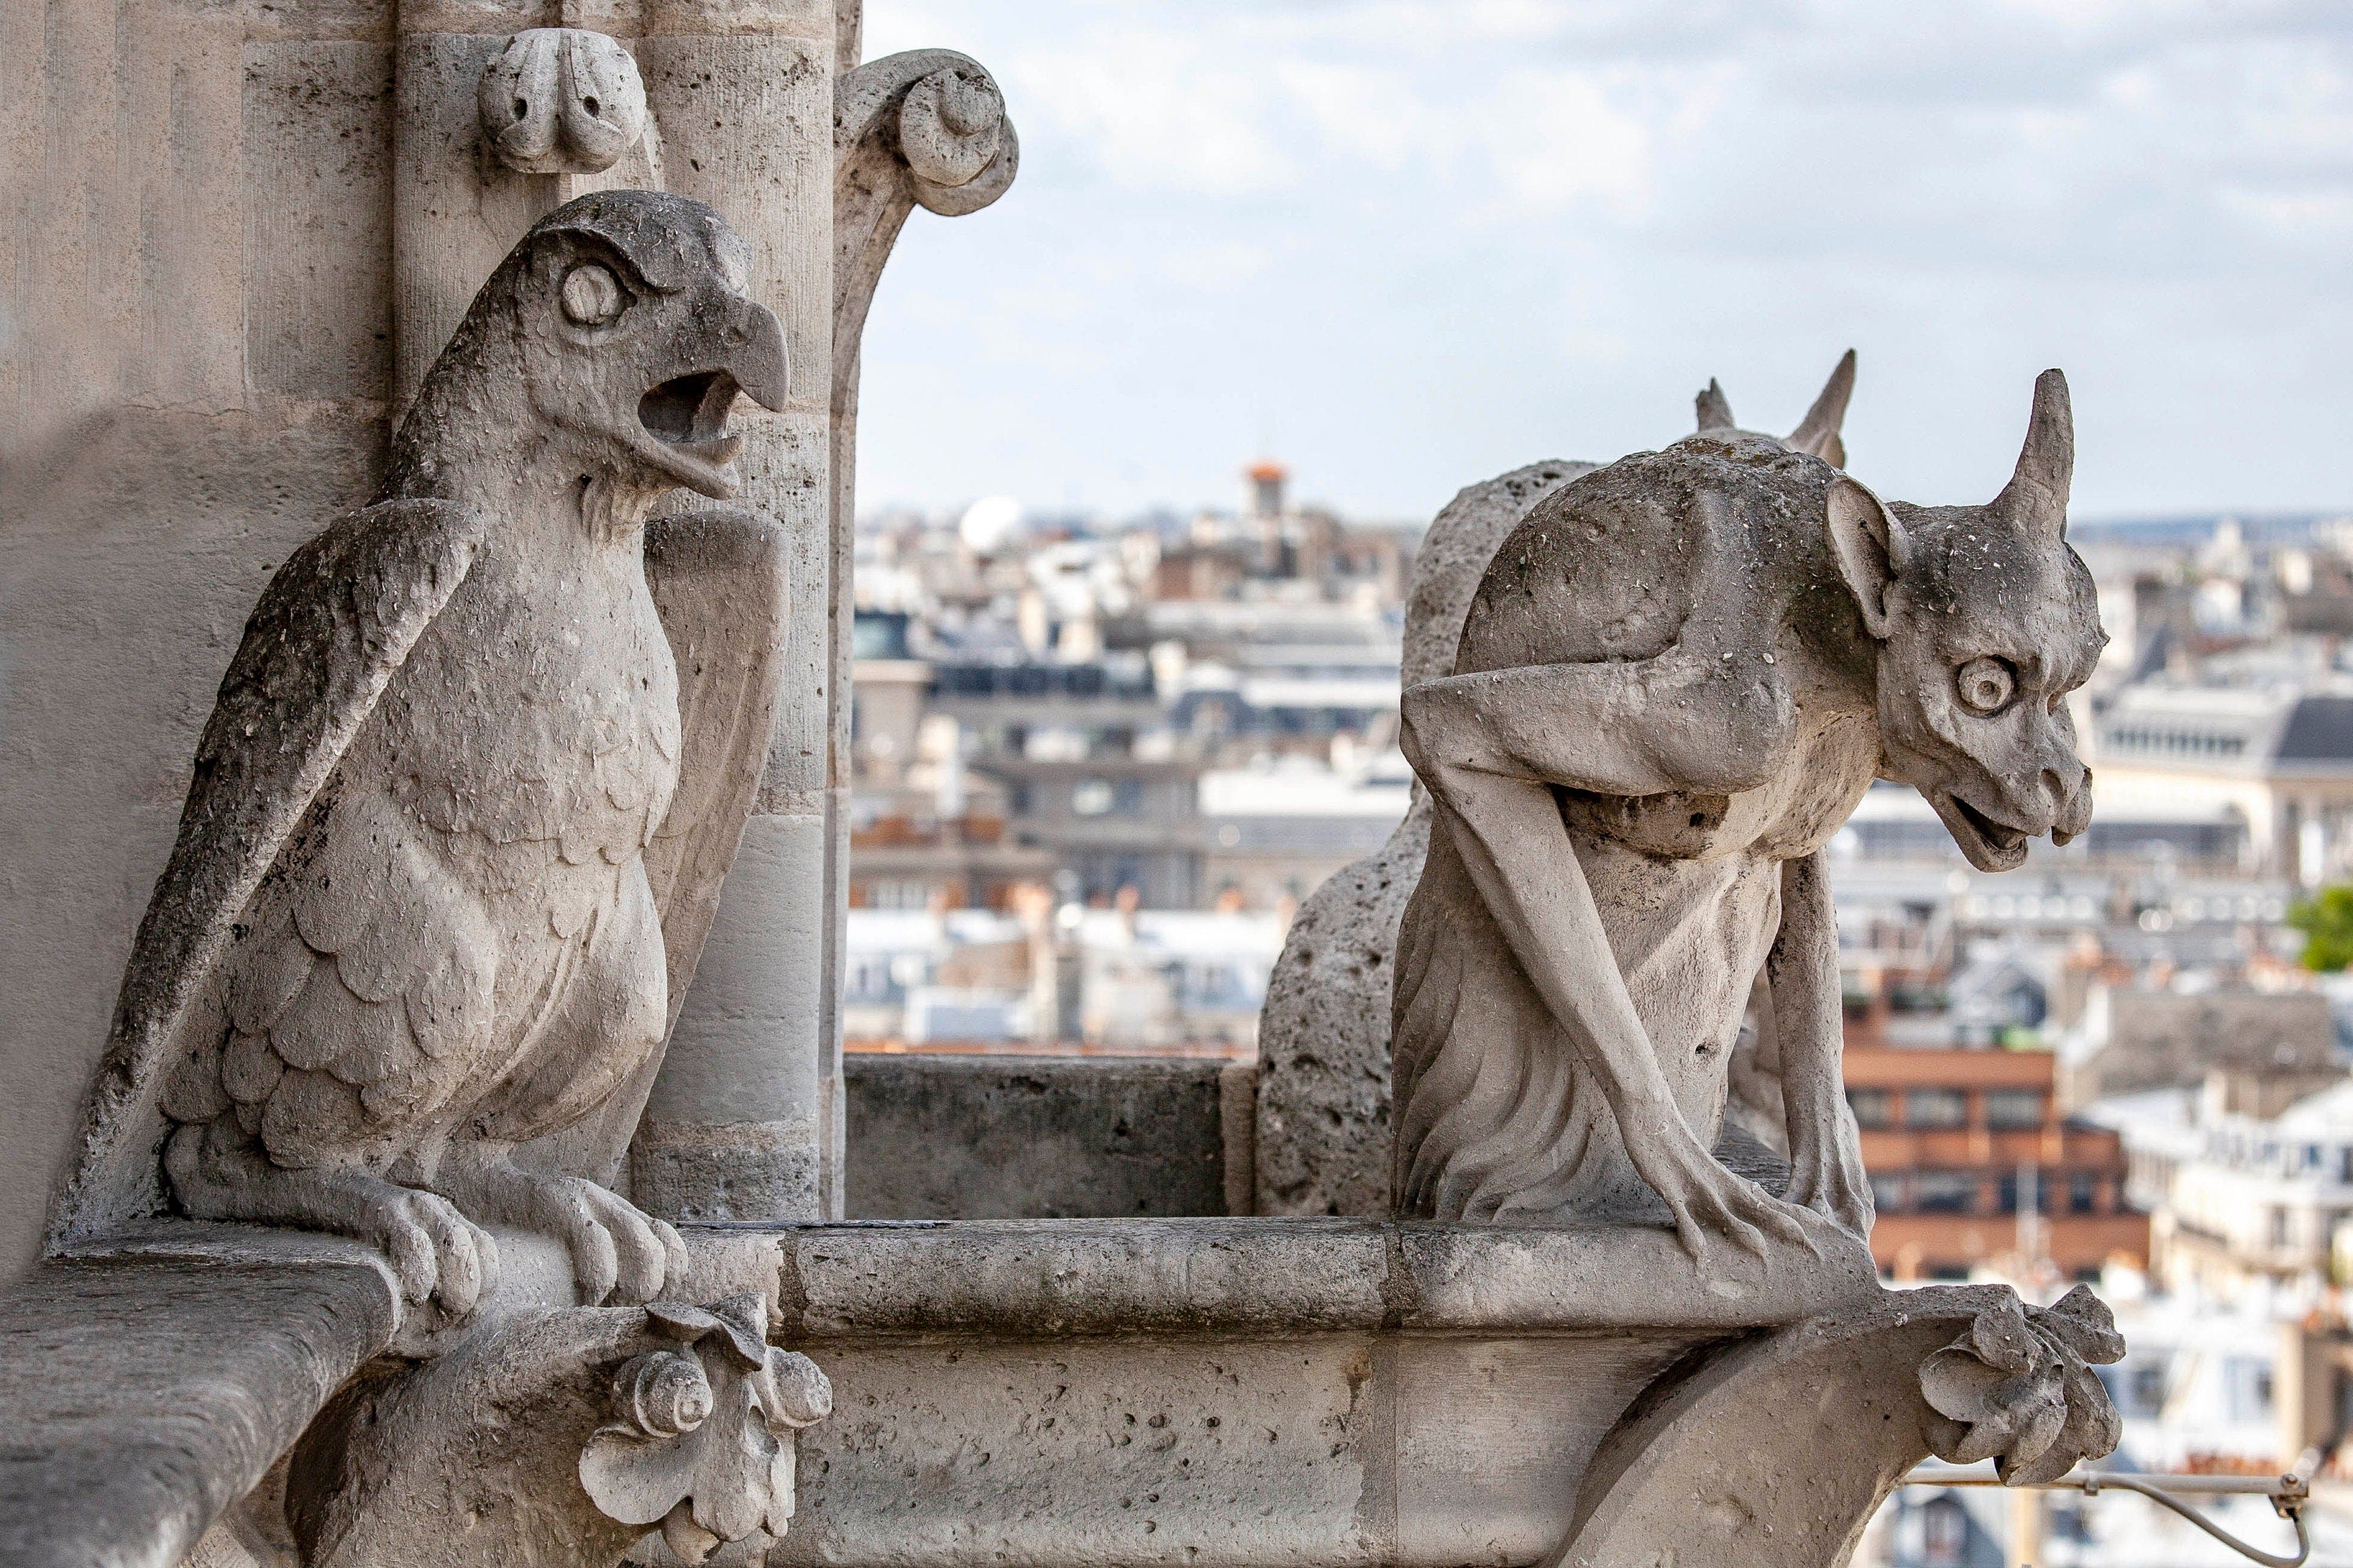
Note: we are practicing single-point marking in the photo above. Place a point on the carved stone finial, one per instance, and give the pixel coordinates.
(1772, 1452)
(2018, 1388)
(561, 100)
(702, 1443)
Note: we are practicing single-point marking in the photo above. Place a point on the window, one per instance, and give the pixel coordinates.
(1943, 1193)
(2013, 1110)
(1872, 1107)
(2012, 1189)
(1091, 797)
(1935, 1107)
(1944, 1532)
(1887, 1193)
(2082, 1192)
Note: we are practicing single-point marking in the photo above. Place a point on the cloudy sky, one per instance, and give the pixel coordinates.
(1406, 244)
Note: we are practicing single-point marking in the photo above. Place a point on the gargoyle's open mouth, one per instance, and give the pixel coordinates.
(689, 414)
(2000, 842)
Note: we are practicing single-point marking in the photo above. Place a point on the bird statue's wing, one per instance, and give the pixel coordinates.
(334, 624)
(719, 580)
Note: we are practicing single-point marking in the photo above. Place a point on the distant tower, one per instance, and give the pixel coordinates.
(1266, 479)
(1262, 511)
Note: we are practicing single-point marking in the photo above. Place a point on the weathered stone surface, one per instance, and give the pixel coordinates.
(561, 1437)
(561, 101)
(198, 293)
(1678, 676)
(400, 863)
(1232, 1392)
(150, 1393)
(935, 1138)
(1245, 1276)
(1236, 1391)
(1324, 1035)
(1345, 1450)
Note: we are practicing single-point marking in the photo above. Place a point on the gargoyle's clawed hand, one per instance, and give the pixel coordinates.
(1710, 1204)
(1826, 1175)
(620, 1256)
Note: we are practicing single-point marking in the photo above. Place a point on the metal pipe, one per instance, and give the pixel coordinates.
(2288, 1495)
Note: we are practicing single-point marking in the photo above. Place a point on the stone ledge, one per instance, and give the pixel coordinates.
(1042, 1279)
(152, 1386)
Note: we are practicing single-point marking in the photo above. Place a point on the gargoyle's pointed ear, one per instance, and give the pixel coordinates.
(1714, 408)
(2035, 499)
(1817, 434)
(1871, 549)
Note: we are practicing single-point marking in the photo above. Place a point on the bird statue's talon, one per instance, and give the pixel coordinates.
(620, 1256)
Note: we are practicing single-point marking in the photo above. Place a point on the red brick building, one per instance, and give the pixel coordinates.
(1955, 1138)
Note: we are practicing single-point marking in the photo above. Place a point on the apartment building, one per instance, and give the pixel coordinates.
(1970, 1159)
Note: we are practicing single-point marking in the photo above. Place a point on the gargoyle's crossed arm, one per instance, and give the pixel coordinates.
(1490, 746)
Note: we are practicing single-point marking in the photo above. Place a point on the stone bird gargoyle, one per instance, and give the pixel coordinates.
(1678, 677)
(459, 816)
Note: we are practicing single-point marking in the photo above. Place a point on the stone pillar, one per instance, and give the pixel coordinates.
(742, 1122)
(745, 1122)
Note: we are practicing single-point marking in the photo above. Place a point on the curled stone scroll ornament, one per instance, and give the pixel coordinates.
(560, 101)
(925, 128)
(703, 1444)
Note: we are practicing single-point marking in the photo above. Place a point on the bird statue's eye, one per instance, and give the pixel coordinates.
(1986, 685)
(591, 295)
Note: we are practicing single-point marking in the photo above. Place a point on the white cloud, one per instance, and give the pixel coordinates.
(1453, 235)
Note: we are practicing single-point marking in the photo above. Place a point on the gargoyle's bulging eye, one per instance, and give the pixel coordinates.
(1986, 685)
(591, 295)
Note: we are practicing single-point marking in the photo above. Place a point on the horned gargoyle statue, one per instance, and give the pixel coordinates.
(459, 816)
(1678, 677)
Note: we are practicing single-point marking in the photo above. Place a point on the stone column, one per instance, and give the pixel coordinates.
(745, 1122)
(741, 1122)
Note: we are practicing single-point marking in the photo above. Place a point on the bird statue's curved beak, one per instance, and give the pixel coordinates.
(756, 355)
(684, 420)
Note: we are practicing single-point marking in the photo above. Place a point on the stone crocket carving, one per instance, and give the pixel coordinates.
(1678, 677)
(460, 815)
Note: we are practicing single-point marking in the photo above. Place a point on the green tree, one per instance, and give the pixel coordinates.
(2326, 922)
